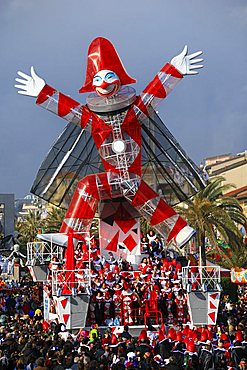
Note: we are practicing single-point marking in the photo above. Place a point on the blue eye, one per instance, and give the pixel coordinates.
(109, 76)
(97, 79)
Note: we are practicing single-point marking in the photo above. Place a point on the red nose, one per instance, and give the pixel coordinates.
(104, 85)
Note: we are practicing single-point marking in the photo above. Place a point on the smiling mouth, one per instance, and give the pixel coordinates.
(109, 90)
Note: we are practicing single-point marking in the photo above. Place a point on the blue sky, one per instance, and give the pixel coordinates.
(207, 113)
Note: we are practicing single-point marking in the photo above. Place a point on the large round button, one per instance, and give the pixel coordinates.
(118, 146)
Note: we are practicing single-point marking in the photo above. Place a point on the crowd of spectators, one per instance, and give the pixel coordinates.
(28, 342)
(119, 296)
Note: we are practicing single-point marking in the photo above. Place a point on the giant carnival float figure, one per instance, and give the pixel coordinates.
(123, 132)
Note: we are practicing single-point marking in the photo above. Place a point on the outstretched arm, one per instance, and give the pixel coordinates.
(169, 76)
(51, 99)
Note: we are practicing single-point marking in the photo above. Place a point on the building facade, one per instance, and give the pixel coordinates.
(234, 169)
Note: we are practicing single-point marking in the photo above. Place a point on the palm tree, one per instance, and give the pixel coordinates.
(144, 226)
(212, 214)
(54, 220)
(29, 227)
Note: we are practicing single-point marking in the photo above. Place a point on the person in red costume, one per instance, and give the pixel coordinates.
(114, 116)
(180, 304)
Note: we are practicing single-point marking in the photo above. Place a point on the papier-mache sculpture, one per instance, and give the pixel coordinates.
(132, 142)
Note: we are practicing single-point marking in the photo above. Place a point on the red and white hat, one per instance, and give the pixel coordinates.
(143, 335)
(191, 347)
(103, 56)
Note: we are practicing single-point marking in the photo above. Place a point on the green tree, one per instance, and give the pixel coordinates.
(29, 227)
(211, 213)
(54, 219)
(145, 226)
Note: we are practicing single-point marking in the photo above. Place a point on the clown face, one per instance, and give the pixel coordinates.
(106, 83)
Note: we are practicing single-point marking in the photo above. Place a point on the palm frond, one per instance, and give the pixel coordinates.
(211, 214)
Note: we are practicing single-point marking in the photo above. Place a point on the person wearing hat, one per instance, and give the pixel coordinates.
(221, 356)
(117, 300)
(144, 343)
(201, 342)
(164, 345)
(94, 332)
(191, 360)
(179, 348)
(225, 339)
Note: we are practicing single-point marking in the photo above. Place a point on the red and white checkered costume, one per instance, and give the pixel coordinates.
(180, 303)
(123, 170)
(169, 303)
(127, 298)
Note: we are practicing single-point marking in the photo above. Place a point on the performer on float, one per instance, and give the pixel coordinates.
(128, 296)
(117, 300)
(99, 308)
(180, 301)
(91, 315)
(114, 116)
(108, 307)
(171, 308)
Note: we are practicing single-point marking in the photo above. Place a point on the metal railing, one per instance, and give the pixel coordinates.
(39, 253)
(204, 278)
(71, 282)
(61, 281)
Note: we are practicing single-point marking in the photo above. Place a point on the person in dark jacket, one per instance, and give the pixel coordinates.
(237, 352)
(220, 356)
(178, 353)
(165, 347)
(125, 334)
(206, 356)
(172, 364)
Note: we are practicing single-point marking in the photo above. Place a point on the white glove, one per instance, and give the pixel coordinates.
(30, 85)
(186, 64)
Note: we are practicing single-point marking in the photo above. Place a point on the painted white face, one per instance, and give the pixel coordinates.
(106, 83)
